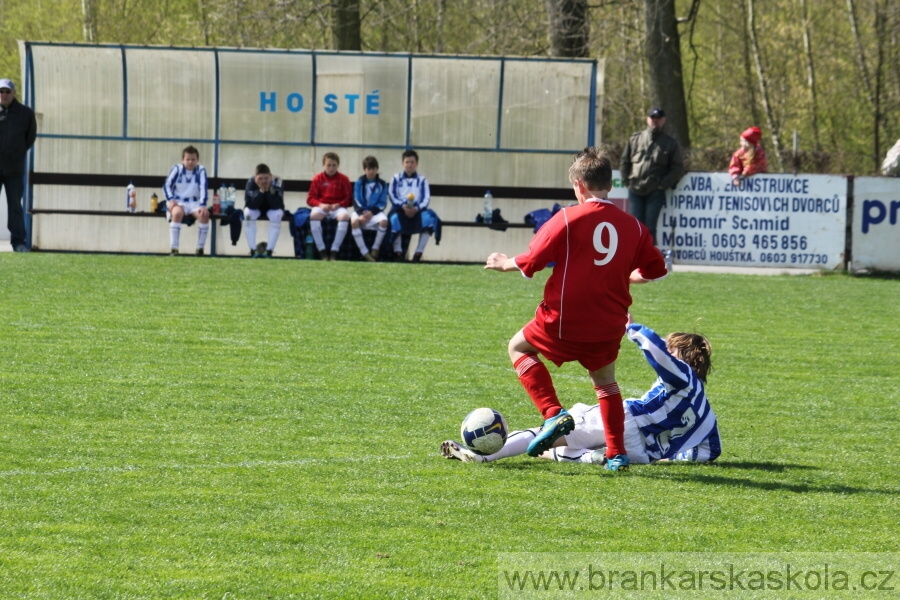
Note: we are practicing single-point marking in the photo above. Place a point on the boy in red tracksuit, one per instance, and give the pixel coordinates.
(330, 195)
(598, 250)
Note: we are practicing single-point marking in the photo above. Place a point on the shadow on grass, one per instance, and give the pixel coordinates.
(875, 274)
(693, 475)
(701, 473)
(762, 466)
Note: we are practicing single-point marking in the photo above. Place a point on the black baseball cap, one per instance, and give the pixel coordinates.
(656, 113)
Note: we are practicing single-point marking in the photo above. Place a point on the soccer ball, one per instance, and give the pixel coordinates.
(484, 431)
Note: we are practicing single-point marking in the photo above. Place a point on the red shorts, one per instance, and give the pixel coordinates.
(591, 355)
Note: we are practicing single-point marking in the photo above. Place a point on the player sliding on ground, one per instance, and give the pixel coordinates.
(672, 421)
(598, 250)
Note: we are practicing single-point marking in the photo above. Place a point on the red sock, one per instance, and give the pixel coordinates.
(536, 380)
(613, 413)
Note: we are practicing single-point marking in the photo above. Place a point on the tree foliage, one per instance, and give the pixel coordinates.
(829, 66)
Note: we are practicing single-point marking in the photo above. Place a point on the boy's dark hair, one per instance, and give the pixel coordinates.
(409, 153)
(594, 167)
(333, 156)
(694, 349)
(370, 162)
(263, 169)
(191, 150)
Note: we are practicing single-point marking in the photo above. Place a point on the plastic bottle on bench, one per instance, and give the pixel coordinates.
(231, 197)
(223, 191)
(488, 207)
(130, 198)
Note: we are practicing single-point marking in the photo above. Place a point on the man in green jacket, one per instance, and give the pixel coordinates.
(652, 161)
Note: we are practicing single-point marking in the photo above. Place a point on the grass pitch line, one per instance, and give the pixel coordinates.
(212, 466)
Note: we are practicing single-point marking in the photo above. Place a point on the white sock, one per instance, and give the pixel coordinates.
(316, 227)
(379, 237)
(567, 454)
(174, 234)
(423, 241)
(275, 216)
(360, 242)
(203, 231)
(516, 444)
(340, 235)
(250, 232)
(398, 243)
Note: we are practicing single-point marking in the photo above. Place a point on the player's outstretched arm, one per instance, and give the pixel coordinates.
(500, 262)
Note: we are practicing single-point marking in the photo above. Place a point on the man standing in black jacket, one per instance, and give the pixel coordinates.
(651, 163)
(18, 128)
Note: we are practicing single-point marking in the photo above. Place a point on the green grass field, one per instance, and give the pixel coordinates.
(228, 428)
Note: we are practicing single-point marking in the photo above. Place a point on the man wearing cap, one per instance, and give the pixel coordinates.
(651, 162)
(18, 128)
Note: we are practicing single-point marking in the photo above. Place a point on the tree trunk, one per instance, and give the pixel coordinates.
(664, 61)
(878, 108)
(89, 20)
(569, 30)
(441, 10)
(749, 84)
(860, 54)
(345, 25)
(763, 85)
(810, 75)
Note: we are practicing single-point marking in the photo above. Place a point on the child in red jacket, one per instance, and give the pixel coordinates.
(749, 159)
(330, 195)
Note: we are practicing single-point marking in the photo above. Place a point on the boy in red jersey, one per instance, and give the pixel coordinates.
(330, 195)
(598, 250)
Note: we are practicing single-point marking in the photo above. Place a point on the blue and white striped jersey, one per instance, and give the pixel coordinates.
(402, 185)
(674, 417)
(186, 186)
(370, 195)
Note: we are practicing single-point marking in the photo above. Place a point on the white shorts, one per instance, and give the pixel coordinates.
(189, 206)
(330, 214)
(590, 434)
(373, 222)
(251, 214)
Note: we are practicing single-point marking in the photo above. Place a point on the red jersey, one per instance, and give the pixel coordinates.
(330, 190)
(595, 247)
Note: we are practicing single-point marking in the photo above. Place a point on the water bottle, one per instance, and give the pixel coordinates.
(223, 197)
(154, 203)
(231, 197)
(668, 256)
(310, 247)
(488, 207)
(217, 204)
(130, 198)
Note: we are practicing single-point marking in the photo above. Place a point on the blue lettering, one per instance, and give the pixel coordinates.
(331, 105)
(266, 102)
(351, 103)
(880, 212)
(701, 183)
(295, 102)
(373, 103)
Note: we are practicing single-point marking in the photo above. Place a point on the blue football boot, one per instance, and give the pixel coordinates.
(619, 462)
(553, 429)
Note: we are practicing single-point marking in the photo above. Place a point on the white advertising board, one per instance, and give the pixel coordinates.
(876, 232)
(771, 220)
